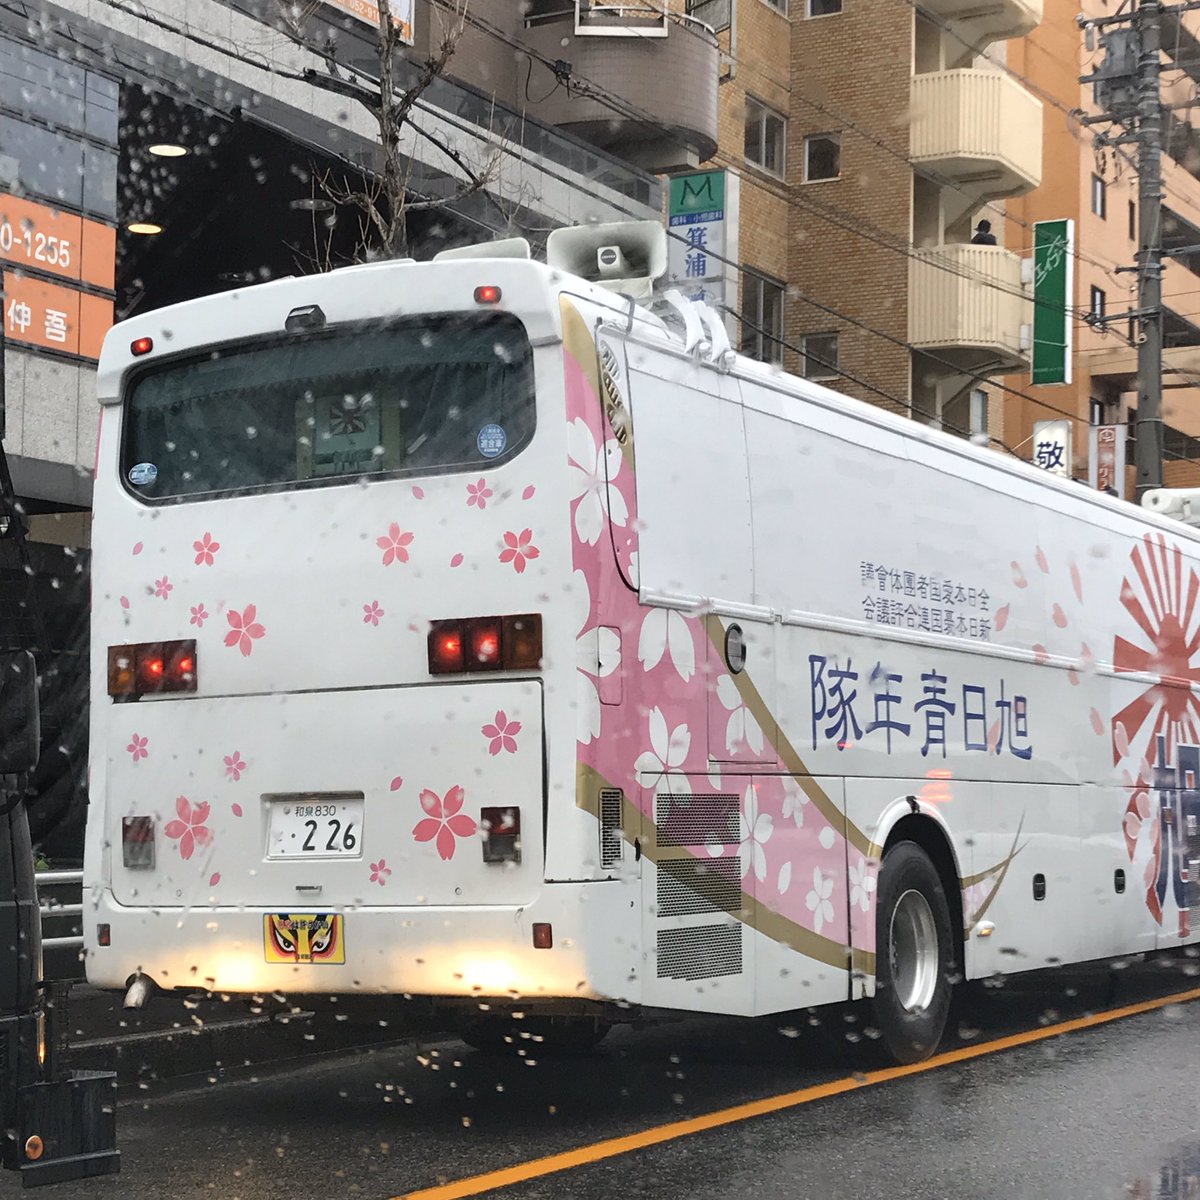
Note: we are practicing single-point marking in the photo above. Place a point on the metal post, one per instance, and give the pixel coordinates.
(1149, 445)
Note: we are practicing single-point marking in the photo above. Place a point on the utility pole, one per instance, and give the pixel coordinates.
(1127, 91)
(1148, 456)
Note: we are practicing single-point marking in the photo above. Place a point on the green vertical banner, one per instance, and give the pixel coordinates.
(1053, 285)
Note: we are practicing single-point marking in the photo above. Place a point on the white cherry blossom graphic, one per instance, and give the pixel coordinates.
(741, 726)
(819, 900)
(597, 655)
(668, 752)
(757, 828)
(589, 482)
(794, 800)
(665, 630)
(862, 884)
(785, 877)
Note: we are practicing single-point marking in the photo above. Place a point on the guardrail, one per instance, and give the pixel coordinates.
(49, 909)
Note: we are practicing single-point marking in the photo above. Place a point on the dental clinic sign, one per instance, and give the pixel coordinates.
(702, 239)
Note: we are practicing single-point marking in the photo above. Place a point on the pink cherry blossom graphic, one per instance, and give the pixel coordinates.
(1040, 653)
(502, 734)
(456, 560)
(379, 872)
(1097, 721)
(396, 784)
(137, 747)
(1077, 582)
(205, 549)
(189, 828)
(1019, 576)
(214, 879)
(199, 615)
(124, 601)
(137, 547)
(444, 822)
(243, 629)
(1001, 618)
(527, 494)
(235, 765)
(236, 809)
(519, 549)
(1058, 616)
(1043, 565)
(371, 613)
(418, 492)
(478, 494)
(394, 545)
(163, 587)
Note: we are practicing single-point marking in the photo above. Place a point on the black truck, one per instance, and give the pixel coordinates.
(55, 1125)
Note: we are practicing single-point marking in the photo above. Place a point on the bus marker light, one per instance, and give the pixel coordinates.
(483, 637)
(140, 346)
(502, 827)
(489, 293)
(104, 935)
(151, 667)
(137, 843)
(445, 647)
(34, 1147)
(121, 675)
(522, 642)
(543, 935)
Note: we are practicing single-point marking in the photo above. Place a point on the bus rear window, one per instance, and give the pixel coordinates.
(421, 395)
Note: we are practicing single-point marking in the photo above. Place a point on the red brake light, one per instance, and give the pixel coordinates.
(486, 644)
(140, 346)
(489, 293)
(445, 647)
(151, 667)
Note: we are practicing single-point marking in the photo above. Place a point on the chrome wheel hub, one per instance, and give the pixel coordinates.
(913, 951)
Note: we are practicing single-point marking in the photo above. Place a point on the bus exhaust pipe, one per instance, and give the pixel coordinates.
(141, 988)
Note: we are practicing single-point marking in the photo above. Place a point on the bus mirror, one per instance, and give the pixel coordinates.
(20, 726)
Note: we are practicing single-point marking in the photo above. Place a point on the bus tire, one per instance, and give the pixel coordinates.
(915, 955)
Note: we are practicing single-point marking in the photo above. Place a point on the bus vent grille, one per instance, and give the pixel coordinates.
(693, 820)
(701, 952)
(687, 886)
(610, 826)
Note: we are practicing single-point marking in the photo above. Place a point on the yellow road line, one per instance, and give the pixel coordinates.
(611, 1147)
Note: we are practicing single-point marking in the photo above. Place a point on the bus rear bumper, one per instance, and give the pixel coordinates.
(466, 951)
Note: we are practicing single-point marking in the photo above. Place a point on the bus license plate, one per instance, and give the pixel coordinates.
(322, 826)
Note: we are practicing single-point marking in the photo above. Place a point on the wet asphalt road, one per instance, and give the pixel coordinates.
(1112, 1111)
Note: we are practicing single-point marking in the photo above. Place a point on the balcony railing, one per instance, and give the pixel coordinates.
(672, 79)
(981, 129)
(980, 22)
(968, 303)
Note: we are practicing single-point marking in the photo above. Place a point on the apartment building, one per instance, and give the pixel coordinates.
(870, 138)
(1096, 186)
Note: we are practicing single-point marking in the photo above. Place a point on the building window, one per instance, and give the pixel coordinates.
(822, 157)
(778, 5)
(821, 356)
(1098, 302)
(1099, 197)
(716, 13)
(766, 135)
(1132, 221)
(824, 8)
(762, 323)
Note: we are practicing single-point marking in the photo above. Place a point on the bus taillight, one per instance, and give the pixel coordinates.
(485, 644)
(151, 667)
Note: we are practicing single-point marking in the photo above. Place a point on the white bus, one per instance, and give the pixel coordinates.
(469, 630)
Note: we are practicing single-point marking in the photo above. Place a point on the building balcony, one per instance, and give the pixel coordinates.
(671, 77)
(967, 304)
(981, 22)
(980, 129)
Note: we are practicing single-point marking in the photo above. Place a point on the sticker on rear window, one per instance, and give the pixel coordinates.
(141, 474)
(491, 440)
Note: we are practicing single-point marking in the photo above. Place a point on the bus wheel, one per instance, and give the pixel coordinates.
(548, 1036)
(914, 954)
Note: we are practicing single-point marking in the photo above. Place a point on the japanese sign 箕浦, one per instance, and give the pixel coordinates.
(702, 226)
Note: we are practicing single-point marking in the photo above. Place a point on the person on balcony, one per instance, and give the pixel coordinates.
(983, 235)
